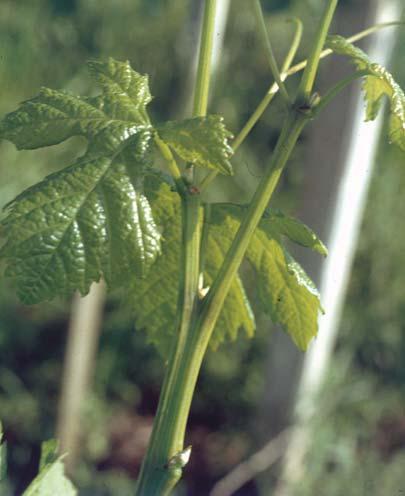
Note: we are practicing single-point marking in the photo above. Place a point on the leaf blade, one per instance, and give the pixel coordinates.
(86, 221)
(54, 116)
(92, 219)
(285, 292)
(119, 79)
(293, 229)
(378, 83)
(50, 481)
(48, 119)
(202, 141)
(275, 223)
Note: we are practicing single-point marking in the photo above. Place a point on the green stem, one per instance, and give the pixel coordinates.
(286, 72)
(311, 69)
(269, 50)
(292, 128)
(203, 77)
(163, 463)
(299, 28)
(166, 457)
(168, 156)
(307, 81)
(240, 138)
(212, 305)
(252, 121)
(204, 66)
(335, 90)
(356, 37)
(215, 299)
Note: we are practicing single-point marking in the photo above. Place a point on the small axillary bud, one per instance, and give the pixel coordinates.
(202, 292)
(193, 190)
(180, 459)
(309, 106)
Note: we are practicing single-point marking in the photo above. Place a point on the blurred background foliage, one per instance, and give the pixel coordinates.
(359, 440)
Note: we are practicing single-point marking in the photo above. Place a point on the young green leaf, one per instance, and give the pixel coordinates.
(51, 481)
(237, 313)
(91, 219)
(54, 116)
(119, 79)
(378, 82)
(202, 141)
(284, 290)
(277, 223)
(154, 298)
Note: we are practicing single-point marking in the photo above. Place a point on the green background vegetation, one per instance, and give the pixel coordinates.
(359, 436)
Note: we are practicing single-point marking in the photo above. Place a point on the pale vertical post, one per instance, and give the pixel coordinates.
(80, 357)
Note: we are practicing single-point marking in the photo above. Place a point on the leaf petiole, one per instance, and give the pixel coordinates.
(269, 51)
(170, 160)
(335, 90)
(244, 132)
(311, 68)
(287, 72)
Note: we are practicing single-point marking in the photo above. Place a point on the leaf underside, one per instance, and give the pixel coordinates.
(377, 84)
